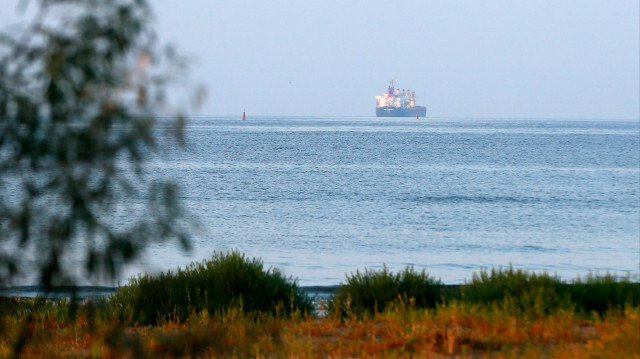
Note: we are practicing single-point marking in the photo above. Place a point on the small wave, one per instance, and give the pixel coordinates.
(475, 199)
(504, 199)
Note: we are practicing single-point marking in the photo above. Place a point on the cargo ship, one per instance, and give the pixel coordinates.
(398, 103)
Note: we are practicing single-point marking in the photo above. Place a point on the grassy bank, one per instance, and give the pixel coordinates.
(449, 330)
(232, 306)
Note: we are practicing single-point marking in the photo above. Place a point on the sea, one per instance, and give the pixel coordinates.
(320, 198)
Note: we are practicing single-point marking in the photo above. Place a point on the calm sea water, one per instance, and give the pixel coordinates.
(322, 197)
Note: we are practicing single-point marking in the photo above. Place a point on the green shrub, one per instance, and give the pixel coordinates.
(517, 290)
(528, 292)
(227, 280)
(37, 307)
(601, 293)
(373, 291)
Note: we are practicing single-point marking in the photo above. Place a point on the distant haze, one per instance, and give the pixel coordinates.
(552, 59)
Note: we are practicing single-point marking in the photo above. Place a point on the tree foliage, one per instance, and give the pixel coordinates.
(81, 88)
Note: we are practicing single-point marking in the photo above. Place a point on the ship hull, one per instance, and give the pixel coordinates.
(388, 111)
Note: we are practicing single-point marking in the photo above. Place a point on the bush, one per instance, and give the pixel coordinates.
(227, 280)
(519, 291)
(528, 292)
(373, 291)
(601, 293)
(37, 307)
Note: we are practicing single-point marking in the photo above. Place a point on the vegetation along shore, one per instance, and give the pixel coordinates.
(232, 306)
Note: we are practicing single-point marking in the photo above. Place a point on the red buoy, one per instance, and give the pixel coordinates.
(416, 116)
(242, 115)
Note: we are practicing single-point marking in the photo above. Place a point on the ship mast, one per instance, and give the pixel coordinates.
(391, 89)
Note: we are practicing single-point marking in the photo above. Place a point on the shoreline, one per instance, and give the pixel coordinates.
(90, 291)
(85, 292)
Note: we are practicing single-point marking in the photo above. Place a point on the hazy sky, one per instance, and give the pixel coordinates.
(559, 59)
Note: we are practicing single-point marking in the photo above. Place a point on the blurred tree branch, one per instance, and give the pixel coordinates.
(80, 94)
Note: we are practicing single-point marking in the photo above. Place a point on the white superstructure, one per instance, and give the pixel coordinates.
(396, 98)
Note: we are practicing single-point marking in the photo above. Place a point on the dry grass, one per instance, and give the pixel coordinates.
(455, 330)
